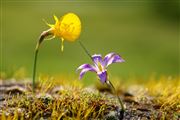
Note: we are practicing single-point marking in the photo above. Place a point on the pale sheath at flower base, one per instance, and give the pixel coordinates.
(100, 65)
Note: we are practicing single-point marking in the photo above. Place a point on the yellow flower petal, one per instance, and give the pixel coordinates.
(70, 27)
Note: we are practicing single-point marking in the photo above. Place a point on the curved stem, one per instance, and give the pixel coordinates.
(114, 90)
(41, 39)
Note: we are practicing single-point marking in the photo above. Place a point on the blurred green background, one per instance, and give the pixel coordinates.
(146, 33)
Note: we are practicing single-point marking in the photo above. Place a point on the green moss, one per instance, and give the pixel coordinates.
(66, 98)
(69, 102)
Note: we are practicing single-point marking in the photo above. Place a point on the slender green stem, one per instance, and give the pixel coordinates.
(41, 39)
(86, 51)
(34, 68)
(114, 90)
(84, 48)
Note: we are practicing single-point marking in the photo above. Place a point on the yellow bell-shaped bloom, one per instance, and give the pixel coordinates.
(68, 27)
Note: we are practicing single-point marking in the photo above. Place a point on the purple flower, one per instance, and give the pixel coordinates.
(100, 65)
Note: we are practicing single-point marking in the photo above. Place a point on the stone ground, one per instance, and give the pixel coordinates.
(137, 108)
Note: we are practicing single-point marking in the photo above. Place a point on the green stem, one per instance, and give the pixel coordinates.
(86, 51)
(34, 68)
(41, 39)
(84, 48)
(114, 90)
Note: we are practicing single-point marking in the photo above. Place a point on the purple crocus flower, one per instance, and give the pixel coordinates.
(100, 65)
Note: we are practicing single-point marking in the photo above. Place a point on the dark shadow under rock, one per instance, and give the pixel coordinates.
(15, 90)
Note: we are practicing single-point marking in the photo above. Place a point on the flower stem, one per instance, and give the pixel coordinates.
(41, 39)
(84, 48)
(119, 99)
(34, 69)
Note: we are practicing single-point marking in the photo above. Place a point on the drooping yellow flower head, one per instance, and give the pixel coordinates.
(68, 27)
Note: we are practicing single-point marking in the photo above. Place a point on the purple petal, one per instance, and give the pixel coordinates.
(112, 58)
(103, 76)
(107, 57)
(86, 70)
(84, 66)
(97, 58)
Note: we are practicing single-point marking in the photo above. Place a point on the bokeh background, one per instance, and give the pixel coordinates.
(145, 33)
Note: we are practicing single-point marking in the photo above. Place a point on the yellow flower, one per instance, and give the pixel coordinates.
(68, 27)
